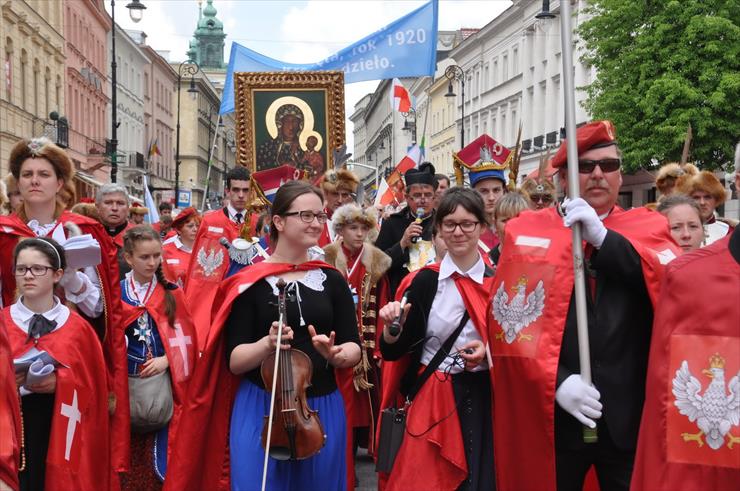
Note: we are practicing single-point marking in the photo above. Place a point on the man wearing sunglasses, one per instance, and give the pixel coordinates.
(339, 188)
(624, 253)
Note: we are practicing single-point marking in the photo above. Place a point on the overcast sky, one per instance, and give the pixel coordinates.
(296, 31)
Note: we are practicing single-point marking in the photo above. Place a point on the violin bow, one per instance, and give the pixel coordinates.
(281, 322)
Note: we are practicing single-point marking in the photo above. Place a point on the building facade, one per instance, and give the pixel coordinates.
(131, 69)
(86, 27)
(33, 71)
(160, 82)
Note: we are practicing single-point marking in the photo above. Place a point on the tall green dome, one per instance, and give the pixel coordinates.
(207, 45)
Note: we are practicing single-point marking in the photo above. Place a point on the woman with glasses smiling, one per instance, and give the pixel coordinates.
(449, 422)
(231, 400)
(65, 438)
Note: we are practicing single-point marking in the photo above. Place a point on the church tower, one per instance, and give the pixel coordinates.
(207, 45)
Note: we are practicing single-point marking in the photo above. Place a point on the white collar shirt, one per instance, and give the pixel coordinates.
(22, 315)
(232, 214)
(446, 313)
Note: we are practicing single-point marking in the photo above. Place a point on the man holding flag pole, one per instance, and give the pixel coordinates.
(565, 403)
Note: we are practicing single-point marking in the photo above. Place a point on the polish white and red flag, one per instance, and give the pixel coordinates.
(391, 188)
(400, 97)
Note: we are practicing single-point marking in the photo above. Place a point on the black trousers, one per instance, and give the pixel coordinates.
(473, 398)
(613, 465)
(38, 410)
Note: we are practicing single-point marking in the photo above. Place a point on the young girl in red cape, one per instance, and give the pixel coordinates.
(44, 174)
(65, 441)
(177, 251)
(218, 444)
(160, 338)
(448, 442)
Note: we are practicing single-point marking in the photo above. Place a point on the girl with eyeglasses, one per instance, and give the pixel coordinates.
(161, 353)
(228, 395)
(59, 371)
(44, 174)
(448, 440)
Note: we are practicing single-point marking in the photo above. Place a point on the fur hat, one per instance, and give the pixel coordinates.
(707, 182)
(350, 213)
(671, 174)
(86, 209)
(341, 179)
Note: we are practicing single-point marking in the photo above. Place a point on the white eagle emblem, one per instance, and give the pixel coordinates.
(514, 316)
(715, 412)
(210, 262)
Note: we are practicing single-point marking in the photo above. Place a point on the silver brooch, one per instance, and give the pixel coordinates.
(37, 144)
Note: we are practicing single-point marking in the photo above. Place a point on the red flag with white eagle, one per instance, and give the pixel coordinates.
(391, 188)
(400, 97)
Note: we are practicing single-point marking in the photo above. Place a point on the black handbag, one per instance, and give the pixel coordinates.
(393, 419)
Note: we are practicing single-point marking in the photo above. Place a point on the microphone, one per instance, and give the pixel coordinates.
(419, 216)
(395, 328)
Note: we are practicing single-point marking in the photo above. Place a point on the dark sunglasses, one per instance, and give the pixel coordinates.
(606, 165)
(544, 198)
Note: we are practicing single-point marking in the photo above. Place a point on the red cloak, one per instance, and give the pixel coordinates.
(209, 264)
(199, 454)
(441, 448)
(175, 263)
(108, 326)
(79, 444)
(538, 249)
(697, 329)
(10, 416)
(179, 341)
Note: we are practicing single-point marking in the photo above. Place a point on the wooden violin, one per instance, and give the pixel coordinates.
(292, 430)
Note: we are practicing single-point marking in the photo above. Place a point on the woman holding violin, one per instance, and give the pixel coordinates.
(319, 331)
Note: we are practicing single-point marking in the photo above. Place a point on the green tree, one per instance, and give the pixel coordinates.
(662, 65)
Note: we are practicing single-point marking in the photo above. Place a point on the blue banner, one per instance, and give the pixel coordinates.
(404, 48)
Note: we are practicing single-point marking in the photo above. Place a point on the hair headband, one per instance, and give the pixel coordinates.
(56, 252)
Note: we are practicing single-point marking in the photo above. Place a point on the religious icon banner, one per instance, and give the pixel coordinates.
(285, 118)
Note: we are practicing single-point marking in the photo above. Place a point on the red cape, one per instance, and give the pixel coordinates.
(108, 326)
(537, 248)
(441, 448)
(175, 263)
(179, 341)
(10, 416)
(199, 454)
(692, 325)
(81, 386)
(209, 264)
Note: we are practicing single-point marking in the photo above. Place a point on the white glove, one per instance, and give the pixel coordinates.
(71, 281)
(578, 210)
(579, 399)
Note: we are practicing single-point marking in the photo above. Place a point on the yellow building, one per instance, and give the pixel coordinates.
(33, 67)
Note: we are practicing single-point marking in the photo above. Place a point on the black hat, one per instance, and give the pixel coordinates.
(423, 175)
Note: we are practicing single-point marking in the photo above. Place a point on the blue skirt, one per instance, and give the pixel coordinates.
(324, 471)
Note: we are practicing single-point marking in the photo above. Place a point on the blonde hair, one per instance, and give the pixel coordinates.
(511, 204)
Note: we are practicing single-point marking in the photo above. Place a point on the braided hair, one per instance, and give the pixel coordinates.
(141, 233)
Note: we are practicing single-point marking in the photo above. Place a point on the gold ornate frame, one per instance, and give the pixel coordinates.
(245, 84)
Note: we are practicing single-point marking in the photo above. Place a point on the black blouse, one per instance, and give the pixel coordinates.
(329, 310)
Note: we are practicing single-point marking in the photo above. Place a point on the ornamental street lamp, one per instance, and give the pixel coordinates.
(136, 12)
(454, 72)
(186, 68)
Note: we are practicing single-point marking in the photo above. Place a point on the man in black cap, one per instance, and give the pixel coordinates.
(406, 236)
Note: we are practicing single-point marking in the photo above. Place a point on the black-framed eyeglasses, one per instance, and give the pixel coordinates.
(308, 216)
(606, 165)
(466, 227)
(544, 198)
(36, 270)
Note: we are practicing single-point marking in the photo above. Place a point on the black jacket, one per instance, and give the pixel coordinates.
(620, 319)
(389, 238)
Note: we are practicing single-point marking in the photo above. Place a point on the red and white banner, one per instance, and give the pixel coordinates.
(400, 98)
(391, 188)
